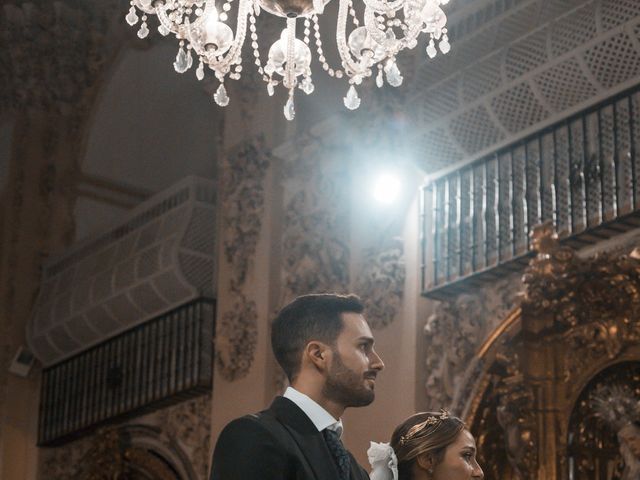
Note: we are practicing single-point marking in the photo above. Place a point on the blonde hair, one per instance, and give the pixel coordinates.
(423, 433)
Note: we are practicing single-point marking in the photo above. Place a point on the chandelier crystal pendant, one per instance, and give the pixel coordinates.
(205, 38)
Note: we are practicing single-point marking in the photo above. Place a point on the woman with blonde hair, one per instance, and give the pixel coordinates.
(427, 446)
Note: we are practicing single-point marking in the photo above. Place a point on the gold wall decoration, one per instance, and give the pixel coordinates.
(578, 317)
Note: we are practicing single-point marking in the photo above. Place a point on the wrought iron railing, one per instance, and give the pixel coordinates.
(580, 173)
(157, 363)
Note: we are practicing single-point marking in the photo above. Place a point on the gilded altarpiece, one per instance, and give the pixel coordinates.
(558, 395)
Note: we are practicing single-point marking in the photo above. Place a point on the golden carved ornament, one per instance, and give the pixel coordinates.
(578, 317)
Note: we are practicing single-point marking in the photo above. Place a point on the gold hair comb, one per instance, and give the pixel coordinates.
(431, 420)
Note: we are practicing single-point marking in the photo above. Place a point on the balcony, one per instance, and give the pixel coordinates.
(580, 173)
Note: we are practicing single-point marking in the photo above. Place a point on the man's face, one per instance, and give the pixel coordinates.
(355, 364)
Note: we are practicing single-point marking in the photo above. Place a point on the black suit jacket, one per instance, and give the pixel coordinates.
(280, 443)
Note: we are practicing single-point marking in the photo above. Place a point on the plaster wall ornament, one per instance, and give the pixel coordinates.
(380, 283)
(243, 200)
(188, 424)
(574, 327)
(75, 39)
(243, 204)
(591, 303)
(315, 241)
(48, 79)
(506, 426)
(236, 338)
(619, 407)
(453, 334)
(158, 445)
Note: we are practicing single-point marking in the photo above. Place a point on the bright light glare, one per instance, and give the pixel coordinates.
(386, 188)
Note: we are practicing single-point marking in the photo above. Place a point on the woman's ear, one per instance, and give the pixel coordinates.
(425, 462)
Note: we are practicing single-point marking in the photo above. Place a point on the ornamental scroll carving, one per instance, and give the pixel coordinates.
(174, 439)
(506, 425)
(380, 283)
(592, 303)
(236, 340)
(453, 334)
(243, 203)
(578, 322)
(315, 228)
(57, 51)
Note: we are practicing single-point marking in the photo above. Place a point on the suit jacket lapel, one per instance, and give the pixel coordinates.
(307, 436)
(356, 471)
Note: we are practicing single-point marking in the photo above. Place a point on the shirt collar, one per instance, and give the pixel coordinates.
(318, 415)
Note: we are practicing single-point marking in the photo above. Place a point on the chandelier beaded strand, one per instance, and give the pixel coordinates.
(387, 28)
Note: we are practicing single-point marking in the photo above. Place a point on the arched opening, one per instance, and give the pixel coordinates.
(602, 423)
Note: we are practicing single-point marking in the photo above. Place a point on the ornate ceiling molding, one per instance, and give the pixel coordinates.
(54, 52)
(503, 80)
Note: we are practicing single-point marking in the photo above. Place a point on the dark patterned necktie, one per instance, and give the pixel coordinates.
(338, 452)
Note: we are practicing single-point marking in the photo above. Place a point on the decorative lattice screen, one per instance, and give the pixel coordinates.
(517, 66)
(160, 257)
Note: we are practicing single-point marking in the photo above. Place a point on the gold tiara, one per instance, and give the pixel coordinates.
(432, 420)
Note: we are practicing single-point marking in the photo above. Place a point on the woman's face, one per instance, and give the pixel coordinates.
(459, 461)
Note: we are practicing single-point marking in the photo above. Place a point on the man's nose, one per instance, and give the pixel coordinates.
(376, 361)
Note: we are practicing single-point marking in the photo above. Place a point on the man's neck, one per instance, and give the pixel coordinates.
(316, 395)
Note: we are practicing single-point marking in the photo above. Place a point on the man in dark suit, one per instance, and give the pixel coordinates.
(325, 346)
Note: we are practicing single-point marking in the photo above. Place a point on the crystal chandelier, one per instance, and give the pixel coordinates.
(387, 27)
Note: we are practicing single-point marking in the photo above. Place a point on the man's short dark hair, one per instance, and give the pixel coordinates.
(309, 317)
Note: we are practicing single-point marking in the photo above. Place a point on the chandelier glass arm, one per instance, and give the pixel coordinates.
(351, 67)
(232, 56)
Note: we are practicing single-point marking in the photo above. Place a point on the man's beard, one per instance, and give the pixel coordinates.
(346, 387)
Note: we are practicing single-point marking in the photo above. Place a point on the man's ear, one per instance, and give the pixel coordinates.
(318, 354)
(425, 462)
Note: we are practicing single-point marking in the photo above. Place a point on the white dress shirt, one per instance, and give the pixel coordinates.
(318, 415)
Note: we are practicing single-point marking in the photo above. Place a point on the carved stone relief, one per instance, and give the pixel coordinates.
(49, 72)
(243, 196)
(315, 242)
(169, 441)
(189, 424)
(577, 319)
(243, 204)
(380, 283)
(74, 38)
(453, 334)
(603, 428)
(236, 340)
